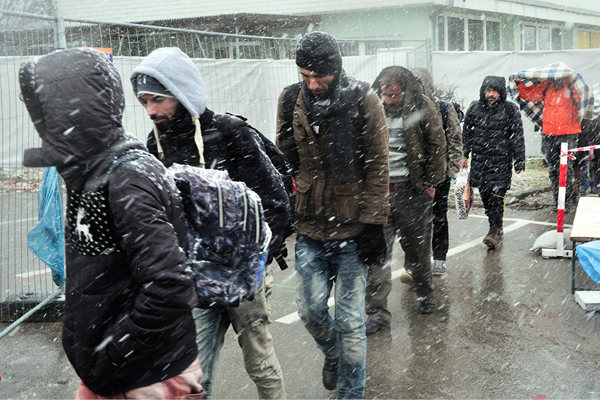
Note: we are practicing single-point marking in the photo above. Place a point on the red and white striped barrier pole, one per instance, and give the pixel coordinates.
(562, 191)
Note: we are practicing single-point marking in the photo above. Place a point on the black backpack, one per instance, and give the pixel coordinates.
(444, 111)
(229, 122)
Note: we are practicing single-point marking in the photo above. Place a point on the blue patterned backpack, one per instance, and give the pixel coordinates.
(228, 237)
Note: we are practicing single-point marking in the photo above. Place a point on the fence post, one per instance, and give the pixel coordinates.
(429, 54)
(560, 209)
(60, 40)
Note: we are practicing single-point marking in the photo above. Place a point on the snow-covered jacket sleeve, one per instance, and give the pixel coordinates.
(434, 143)
(374, 205)
(255, 169)
(469, 129)
(150, 226)
(453, 142)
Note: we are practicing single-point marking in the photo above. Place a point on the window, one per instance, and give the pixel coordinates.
(456, 34)
(475, 35)
(544, 38)
(588, 40)
(529, 38)
(441, 33)
(492, 35)
(556, 39)
(459, 34)
(536, 37)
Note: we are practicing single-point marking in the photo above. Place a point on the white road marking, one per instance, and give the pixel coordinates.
(519, 223)
(34, 273)
(19, 221)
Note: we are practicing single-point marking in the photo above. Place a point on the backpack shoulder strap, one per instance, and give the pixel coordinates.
(228, 122)
(444, 112)
(129, 156)
(289, 100)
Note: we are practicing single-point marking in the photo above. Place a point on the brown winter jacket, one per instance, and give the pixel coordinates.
(423, 132)
(327, 209)
(453, 131)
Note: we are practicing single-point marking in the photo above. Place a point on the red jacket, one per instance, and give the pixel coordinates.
(560, 106)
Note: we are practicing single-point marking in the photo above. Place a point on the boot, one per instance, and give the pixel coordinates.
(493, 238)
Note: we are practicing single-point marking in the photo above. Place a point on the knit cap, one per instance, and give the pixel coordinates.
(149, 85)
(319, 52)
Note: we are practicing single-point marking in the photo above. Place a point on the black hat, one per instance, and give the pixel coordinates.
(319, 52)
(149, 85)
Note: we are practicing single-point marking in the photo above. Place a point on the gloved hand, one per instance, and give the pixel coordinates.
(371, 244)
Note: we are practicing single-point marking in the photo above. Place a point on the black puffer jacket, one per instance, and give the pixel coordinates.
(240, 152)
(493, 138)
(129, 294)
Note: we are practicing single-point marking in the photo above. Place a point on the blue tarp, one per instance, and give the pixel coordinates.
(589, 257)
(46, 238)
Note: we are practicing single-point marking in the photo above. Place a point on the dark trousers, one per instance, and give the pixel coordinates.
(440, 221)
(493, 202)
(552, 149)
(410, 220)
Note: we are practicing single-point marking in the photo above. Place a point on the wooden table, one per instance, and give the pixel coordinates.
(586, 227)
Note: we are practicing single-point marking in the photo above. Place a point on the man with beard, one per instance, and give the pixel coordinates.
(417, 149)
(170, 87)
(493, 137)
(336, 141)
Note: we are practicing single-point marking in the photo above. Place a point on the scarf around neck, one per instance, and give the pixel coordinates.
(347, 92)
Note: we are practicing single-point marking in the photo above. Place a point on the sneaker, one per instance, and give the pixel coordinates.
(330, 373)
(439, 267)
(493, 238)
(427, 305)
(406, 277)
(373, 326)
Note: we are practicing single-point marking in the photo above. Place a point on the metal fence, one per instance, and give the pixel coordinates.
(244, 74)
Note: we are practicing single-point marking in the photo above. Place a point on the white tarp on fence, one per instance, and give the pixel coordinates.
(252, 87)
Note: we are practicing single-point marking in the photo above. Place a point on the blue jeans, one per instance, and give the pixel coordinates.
(318, 266)
(251, 323)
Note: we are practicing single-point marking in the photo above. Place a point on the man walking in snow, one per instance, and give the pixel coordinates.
(493, 138)
(170, 87)
(417, 149)
(128, 328)
(332, 129)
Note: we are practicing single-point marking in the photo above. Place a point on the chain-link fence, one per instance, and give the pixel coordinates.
(244, 75)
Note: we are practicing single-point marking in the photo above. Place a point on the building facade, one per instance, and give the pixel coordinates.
(451, 25)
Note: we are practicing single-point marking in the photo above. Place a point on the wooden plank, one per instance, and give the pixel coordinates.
(586, 225)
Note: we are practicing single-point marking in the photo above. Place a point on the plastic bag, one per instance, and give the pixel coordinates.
(589, 258)
(463, 194)
(46, 239)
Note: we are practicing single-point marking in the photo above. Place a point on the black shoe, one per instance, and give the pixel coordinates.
(330, 373)
(427, 305)
(374, 326)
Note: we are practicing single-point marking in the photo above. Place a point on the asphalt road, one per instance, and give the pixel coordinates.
(507, 326)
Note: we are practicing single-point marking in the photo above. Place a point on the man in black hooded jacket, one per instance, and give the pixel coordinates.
(128, 324)
(493, 137)
(172, 90)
